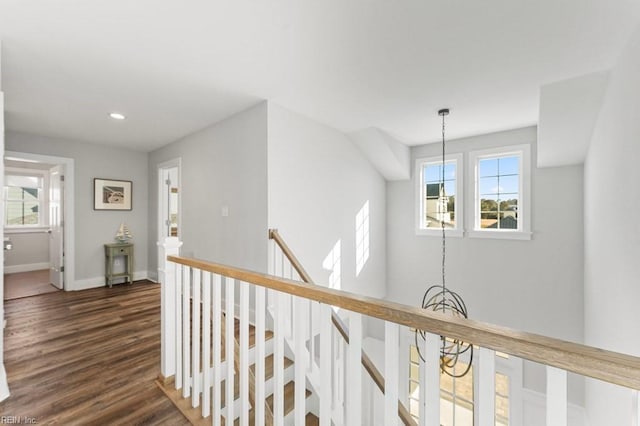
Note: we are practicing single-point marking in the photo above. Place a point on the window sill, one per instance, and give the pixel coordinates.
(500, 235)
(26, 230)
(457, 233)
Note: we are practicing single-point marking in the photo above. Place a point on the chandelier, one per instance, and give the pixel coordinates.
(438, 298)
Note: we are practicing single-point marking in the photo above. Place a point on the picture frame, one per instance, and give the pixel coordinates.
(112, 194)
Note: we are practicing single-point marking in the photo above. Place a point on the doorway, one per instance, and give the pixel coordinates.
(38, 224)
(169, 206)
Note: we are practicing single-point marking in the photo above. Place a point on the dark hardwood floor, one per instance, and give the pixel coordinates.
(87, 357)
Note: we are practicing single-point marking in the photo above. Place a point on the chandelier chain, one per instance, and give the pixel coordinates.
(444, 247)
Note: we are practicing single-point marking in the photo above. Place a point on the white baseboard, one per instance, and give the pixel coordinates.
(96, 282)
(26, 267)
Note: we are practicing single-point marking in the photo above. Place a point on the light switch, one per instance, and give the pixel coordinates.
(225, 211)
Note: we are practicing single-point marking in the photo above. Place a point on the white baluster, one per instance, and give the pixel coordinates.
(635, 397)
(325, 364)
(260, 353)
(354, 372)
(391, 353)
(168, 320)
(300, 308)
(312, 341)
(195, 340)
(178, 307)
(556, 396)
(217, 348)
(230, 348)
(244, 354)
(206, 344)
(487, 387)
(278, 360)
(186, 335)
(430, 381)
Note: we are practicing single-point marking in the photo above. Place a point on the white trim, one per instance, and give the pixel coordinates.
(499, 235)
(524, 208)
(96, 282)
(27, 267)
(69, 209)
(33, 229)
(419, 196)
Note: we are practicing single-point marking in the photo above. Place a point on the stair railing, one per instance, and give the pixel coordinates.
(192, 349)
(340, 326)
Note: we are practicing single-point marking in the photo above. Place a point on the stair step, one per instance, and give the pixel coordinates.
(268, 366)
(236, 379)
(289, 392)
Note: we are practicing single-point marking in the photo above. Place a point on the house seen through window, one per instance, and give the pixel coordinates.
(23, 200)
(439, 194)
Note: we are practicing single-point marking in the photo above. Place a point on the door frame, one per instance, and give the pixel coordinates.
(68, 213)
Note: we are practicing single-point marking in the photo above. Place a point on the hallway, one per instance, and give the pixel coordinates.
(87, 357)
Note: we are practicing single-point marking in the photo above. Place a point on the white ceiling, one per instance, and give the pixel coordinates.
(174, 67)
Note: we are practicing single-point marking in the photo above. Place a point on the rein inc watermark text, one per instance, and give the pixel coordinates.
(18, 420)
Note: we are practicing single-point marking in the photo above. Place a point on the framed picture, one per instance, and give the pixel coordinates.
(110, 194)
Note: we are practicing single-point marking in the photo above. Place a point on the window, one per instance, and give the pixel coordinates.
(502, 182)
(23, 200)
(457, 394)
(439, 201)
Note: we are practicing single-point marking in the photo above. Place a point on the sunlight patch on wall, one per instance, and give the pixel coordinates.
(332, 263)
(362, 237)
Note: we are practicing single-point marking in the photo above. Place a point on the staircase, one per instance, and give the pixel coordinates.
(194, 414)
(297, 362)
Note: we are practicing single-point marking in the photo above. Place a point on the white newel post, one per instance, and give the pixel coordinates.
(167, 278)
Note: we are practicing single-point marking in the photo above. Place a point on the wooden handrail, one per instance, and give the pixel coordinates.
(368, 365)
(613, 367)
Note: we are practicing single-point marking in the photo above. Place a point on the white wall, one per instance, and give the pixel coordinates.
(612, 235)
(533, 285)
(95, 228)
(318, 181)
(222, 165)
(4, 388)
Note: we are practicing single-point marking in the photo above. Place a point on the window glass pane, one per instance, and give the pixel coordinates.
(502, 411)
(415, 372)
(509, 165)
(22, 213)
(413, 389)
(488, 167)
(509, 184)
(415, 358)
(489, 186)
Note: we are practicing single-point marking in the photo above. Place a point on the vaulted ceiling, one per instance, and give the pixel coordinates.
(174, 67)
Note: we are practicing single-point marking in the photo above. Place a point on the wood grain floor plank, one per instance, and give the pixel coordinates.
(87, 357)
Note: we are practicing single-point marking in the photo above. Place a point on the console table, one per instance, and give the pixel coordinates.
(112, 252)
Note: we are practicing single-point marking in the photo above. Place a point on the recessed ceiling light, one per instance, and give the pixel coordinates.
(117, 116)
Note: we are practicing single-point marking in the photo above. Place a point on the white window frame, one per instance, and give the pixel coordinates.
(458, 231)
(43, 199)
(524, 208)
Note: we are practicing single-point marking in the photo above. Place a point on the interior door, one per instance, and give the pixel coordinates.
(56, 226)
